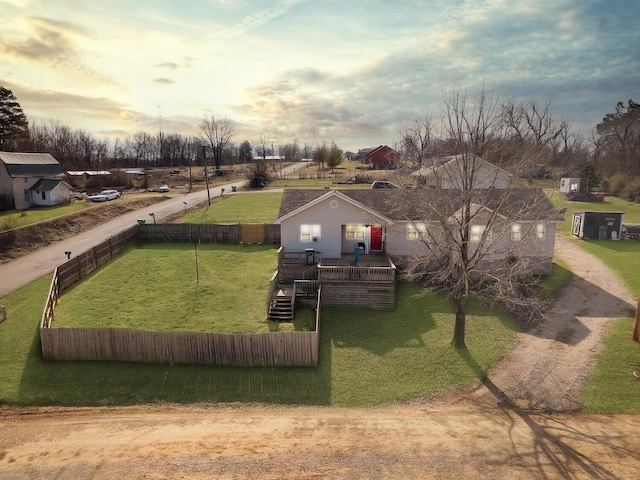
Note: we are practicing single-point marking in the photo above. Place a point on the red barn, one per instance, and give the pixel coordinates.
(383, 157)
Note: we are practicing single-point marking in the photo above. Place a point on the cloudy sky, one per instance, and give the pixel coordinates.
(351, 71)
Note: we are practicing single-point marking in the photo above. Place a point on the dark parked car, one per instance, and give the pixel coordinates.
(383, 184)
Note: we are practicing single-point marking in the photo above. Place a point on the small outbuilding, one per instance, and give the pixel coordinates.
(597, 225)
(48, 192)
(569, 185)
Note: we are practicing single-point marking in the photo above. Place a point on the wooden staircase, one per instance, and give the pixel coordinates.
(281, 307)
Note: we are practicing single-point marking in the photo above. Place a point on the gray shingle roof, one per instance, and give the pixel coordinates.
(523, 204)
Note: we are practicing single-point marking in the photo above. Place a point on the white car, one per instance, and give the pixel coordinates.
(104, 196)
(163, 189)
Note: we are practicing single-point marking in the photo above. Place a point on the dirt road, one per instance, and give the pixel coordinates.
(431, 441)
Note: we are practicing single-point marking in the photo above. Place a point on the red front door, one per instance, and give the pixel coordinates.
(376, 239)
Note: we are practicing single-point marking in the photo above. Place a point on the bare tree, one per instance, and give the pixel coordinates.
(478, 242)
(141, 145)
(417, 140)
(262, 148)
(217, 132)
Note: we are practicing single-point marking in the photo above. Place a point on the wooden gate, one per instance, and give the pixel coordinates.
(252, 233)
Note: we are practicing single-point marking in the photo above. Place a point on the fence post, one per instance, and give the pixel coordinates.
(636, 324)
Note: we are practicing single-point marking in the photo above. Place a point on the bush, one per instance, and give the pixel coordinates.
(258, 174)
(615, 185)
(631, 190)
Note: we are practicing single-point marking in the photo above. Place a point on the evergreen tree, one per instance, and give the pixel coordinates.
(14, 128)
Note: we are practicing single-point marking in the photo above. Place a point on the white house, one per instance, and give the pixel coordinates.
(21, 172)
(399, 222)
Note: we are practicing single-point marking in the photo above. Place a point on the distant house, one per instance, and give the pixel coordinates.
(382, 157)
(447, 173)
(28, 179)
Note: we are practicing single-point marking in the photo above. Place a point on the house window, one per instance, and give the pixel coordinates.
(355, 232)
(309, 233)
(476, 233)
(540, 231)
(516, 233)
(417, 231)
(27, 195)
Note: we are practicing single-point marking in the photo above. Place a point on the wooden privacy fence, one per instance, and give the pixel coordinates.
(241, 349)
(210, 233)
(75, 269)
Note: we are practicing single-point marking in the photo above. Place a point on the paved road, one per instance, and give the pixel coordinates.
(24, 270)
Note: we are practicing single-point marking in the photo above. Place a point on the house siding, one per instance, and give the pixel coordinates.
(331, 214)
(6, 185)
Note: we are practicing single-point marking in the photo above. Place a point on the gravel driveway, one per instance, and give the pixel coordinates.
(547, 367)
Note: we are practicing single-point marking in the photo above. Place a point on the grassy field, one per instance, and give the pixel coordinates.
(19, 218)
(154, 288)
(258, 207)
(367, 358)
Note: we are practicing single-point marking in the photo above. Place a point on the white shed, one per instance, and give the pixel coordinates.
(569, 185)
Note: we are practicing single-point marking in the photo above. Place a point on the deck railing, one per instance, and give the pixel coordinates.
(302, 258)
(356, 274)
(307, 288)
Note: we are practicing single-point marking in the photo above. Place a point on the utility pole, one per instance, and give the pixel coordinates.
(206, 174)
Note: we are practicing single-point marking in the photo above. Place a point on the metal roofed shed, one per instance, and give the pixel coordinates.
(597, 225)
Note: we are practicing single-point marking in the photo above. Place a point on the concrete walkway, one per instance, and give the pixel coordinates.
(24, 270)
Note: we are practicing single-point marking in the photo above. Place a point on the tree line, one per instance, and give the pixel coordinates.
(77, 149)
(608, 160)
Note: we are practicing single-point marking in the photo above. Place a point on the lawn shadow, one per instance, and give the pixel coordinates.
(403, 327)
(551, 438)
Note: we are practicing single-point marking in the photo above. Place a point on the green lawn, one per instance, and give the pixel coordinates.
(157, 287)
(366, 358)
(258, 207)
(612, 388)
(20, 218)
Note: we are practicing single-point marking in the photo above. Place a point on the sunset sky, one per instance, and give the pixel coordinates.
(353, 72)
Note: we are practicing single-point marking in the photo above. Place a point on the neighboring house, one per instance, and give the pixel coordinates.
(382, 157)
(21, 172)
(447, 174)
(334, 222)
